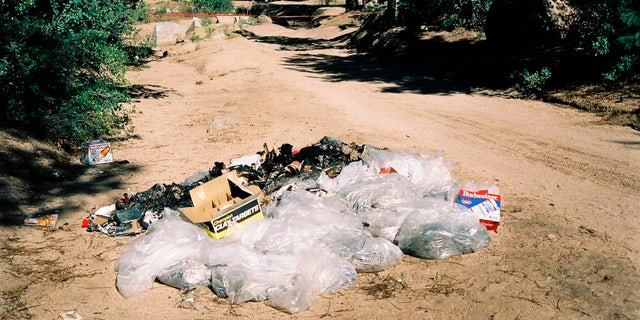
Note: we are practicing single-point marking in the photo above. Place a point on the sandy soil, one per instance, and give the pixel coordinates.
(567, 247)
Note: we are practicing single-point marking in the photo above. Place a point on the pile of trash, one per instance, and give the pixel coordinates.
(330, 211)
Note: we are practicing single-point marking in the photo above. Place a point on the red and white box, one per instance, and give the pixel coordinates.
(96, 152)
(484, 203)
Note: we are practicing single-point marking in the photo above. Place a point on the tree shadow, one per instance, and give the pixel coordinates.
(432, 64)
(428, 66)
(38, 179)
(149, 91)
(297, 43)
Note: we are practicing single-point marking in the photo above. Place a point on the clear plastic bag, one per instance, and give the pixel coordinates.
(376, 254)
(305, 223)
(382, 191)
(187, 274)
(428, 171)
(290, 282)
(438, 230)
(384, 223)
(166, 243)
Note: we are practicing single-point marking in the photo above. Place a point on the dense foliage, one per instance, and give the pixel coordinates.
(62, 66)
(605, 31)
(446, 14)
(211, 6)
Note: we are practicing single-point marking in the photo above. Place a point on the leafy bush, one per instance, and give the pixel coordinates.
(531, 83)
(205, 21)
(212, 6)
(141, 13)
(194, 37)
(622, 67)
(446, 14)
(209, 30)
(609, 29)
(250, 21)
(593, 28)
(63, 65)
(630, 16)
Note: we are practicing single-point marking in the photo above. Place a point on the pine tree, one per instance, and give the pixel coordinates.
(630, 15)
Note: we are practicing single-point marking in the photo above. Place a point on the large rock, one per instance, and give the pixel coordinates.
(224, 19)
(170, 33)
(526, 23)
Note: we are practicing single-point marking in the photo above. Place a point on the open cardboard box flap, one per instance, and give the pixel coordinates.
(215, 197)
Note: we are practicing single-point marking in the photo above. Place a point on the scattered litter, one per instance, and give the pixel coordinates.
(70, 315)
(200, 176)
(96, 152)
(250, 161)
(47, 220)
(106, 210)
(221, 124)
(483, 202)
(316, 218)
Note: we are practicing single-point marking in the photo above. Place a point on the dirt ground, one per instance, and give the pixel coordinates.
(567, 246)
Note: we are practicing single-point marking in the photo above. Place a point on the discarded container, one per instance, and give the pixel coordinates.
(96, 152)
(48, 220)
(223, 202)
(484, 203)
(253, 161)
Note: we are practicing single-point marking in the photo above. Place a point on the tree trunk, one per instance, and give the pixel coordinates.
(351, 5)
(390, 13)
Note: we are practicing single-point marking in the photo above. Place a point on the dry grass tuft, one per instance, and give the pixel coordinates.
(384, 288)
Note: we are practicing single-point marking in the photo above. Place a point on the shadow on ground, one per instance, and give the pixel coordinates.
(149, 91)
(432, 66)
(38, 179)
(450, 62)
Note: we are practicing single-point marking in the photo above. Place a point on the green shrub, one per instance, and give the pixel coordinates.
(63, 65)
(194, 37)
(251, 21)
(212, 6)
(446, 14)
(531, 83)
(205, 20)
(630, 16)
(209, 31)
(141, 13)
(625, 64)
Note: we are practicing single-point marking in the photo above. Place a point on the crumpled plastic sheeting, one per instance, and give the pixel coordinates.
(409, 208)
(428, 171)
(186, 275)
(439, 230)
(384, 191)
(309, 245)
(166, 243)
(304, 223)
(384, 223)
(290, 282)
(376, 254)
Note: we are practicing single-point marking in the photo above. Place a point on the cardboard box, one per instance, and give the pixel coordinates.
(96, 152)
(48, 220)
(223, 202)
(484, 203)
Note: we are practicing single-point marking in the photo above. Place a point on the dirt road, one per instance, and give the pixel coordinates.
(567, 247)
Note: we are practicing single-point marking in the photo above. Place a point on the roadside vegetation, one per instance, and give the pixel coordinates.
(63, 63)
